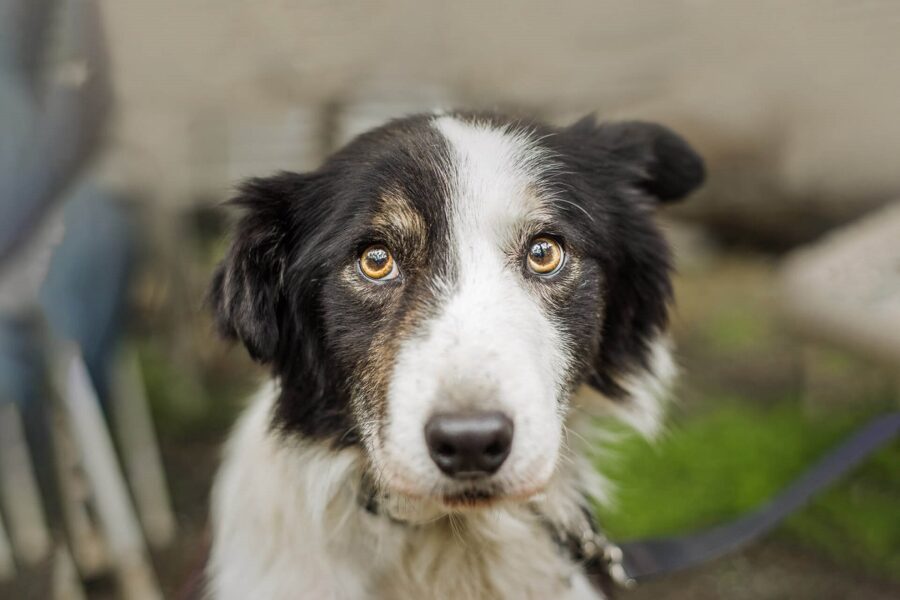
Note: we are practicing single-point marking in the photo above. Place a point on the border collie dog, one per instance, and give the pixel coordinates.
(445, 305)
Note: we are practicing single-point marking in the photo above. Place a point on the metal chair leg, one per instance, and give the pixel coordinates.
(114, 509)
(89, 549)
(20, 493)
(140, 451)
(7, 565)
(66, 584)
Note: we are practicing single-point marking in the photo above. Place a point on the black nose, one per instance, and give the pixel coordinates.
(468, 445)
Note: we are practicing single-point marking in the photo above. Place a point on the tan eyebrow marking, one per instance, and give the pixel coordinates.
(399, 222)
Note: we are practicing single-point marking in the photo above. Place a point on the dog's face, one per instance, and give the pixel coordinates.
(437, 290)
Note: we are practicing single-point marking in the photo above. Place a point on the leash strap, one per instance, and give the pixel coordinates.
(651, 558)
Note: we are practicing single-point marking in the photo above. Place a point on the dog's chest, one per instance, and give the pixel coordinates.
(289, 523)
(495, 556)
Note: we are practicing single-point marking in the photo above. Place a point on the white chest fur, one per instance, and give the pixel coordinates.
(288, 525)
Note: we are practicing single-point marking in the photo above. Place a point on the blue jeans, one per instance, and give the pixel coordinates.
(83, 299)
(85, 294)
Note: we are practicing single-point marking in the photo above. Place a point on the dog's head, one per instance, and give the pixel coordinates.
(436, 291)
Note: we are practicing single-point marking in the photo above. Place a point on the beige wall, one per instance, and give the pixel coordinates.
(806, 91)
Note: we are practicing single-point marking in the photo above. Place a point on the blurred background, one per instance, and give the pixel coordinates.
(124, 124)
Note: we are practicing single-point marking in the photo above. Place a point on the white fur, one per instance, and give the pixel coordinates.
(274, 508)
(288, 524)
(491, 346)
(648, 391)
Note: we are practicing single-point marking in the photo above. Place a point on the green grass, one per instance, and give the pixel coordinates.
(715, 466)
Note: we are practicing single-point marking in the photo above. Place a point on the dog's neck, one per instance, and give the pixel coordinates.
(578, 539)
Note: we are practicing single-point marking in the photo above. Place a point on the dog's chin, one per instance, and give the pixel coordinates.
(473, 496)
(469, 499)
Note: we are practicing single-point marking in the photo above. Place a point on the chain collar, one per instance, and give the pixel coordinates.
(595, 548)
(601, 559)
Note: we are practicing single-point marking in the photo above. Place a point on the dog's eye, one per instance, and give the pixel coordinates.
(545, 255)
(377, 263)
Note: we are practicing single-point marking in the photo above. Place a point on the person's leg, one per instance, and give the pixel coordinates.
(85, 294)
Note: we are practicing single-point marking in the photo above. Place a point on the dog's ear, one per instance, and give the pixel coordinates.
(618, 168)
(654, 158)
(246, 289)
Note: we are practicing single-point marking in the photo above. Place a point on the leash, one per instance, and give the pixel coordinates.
(635, 561)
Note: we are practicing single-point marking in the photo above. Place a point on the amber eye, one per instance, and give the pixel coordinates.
(545, 255)
(377, 263)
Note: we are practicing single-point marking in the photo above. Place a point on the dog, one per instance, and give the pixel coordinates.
(446, 305)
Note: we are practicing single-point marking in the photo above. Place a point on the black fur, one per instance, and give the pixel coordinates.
(619, 171)
(279, 288)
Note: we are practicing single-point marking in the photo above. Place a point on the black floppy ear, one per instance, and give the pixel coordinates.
(610, 162)
(656, 159)
(246, 290)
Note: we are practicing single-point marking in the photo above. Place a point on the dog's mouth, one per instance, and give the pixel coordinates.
(475, 495)
(472, 497)
(452, 496)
